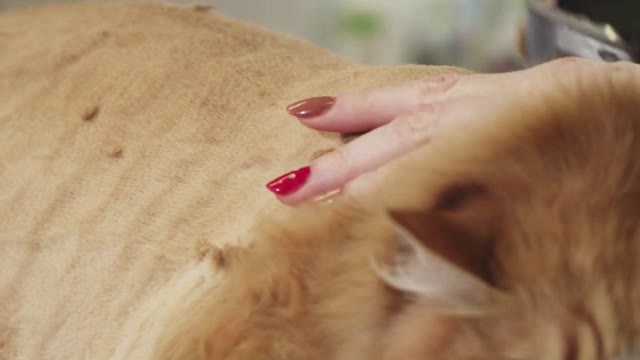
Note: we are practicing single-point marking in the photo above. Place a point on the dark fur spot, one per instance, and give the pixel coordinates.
(202, 7)
(219, 257)
(455, 196)
(207, 251)
(116, 153)
(571, 351)
(91, 113)
(5, 338)
(256, 161)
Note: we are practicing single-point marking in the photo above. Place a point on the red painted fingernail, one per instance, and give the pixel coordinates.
(311, 107)
(290, 182)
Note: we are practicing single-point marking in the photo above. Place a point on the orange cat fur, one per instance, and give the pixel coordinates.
(512, 241)
(116, 119)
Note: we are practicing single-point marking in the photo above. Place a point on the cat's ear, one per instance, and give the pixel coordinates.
(442, 253)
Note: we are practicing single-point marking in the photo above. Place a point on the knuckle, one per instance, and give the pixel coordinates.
(572, 75)
(623, 78)
(570, 68)
(569, 61)
(595, 83)
(574, 64)
(442, 86)
(622, 71)
(420, 125)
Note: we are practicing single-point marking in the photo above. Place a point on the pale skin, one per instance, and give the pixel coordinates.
(400, 118)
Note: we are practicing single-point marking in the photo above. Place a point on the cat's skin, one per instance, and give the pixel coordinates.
(536, 216)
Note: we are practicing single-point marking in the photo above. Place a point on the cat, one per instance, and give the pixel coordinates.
(513, 241)
(123, 149)
(129, 144)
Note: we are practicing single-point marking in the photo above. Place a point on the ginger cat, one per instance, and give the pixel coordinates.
(124, 133)
(132, 135)
(514, 241)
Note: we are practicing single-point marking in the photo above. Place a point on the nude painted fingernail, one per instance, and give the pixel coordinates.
(311, 107)
(290, 182)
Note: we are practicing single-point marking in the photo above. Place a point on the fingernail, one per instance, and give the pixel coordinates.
(290, 182)
(311, 107)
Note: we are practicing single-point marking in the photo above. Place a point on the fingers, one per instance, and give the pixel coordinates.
(409, 115)
(363, 111)
(403, 117)
(366, 153)
(358, 112)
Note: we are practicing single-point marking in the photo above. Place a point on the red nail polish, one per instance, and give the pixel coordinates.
(311, 107)
(290, 182)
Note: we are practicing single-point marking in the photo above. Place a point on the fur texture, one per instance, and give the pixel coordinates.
(522, 238)
(128, 190)
(135, 139)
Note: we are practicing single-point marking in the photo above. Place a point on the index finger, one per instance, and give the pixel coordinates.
(363, 111)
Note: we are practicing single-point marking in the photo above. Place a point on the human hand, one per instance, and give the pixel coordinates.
(409, 115)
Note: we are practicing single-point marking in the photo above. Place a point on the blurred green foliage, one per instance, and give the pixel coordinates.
(361, 24)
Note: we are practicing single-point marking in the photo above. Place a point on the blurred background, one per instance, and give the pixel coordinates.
(475, 34)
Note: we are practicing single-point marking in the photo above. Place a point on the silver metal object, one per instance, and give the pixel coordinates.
(552, 33)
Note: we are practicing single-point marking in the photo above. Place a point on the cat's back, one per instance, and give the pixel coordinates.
(132, 136)
(129, 135)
